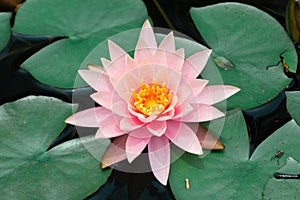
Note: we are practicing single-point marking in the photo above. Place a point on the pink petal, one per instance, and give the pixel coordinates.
(215, 93)
(125, 85)
(147, 36)
(159, 157)
(105, 63)
(115, 51)
(175, 60)
(130, 63)
(194, 64)
(141, 117)
(182, 110)
(173, 103)
(130, 124)
(184, 93)
(115, 152)
(108, 129)
(103, 98)
(197, 85)
(117, 67)
(98, 81)
(146, 45)
(184, 137)
(168, 43)
(135, 146)
(142, 132)
(145, 119)
(90, 117)
(120, 108)
(166, 116)
(159, 58)
(157, 128)
(201, 113)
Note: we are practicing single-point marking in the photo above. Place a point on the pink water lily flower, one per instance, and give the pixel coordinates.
(153, 98)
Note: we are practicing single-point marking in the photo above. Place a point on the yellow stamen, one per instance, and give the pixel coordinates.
(151, 99)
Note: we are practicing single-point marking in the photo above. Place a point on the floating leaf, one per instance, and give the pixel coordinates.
(5, 29)
(85, 24)
(251, 40)
(293, 105)
(231, 174)
(284, 188)
(28, 170)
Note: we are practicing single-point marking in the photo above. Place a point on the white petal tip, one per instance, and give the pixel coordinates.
(70, 120)
(147, 24)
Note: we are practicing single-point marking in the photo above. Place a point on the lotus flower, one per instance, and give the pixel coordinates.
(153, 99)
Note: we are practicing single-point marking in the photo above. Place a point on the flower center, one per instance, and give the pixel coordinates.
(151, 99)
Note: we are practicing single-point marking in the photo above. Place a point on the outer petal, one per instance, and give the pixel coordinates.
(115, 152)
(215, 93)
(109, 129)
(115, 51)
(184, 137)
(90, 117)
(135, 146)
(159, 157)
(168, 43)
(98, 81)
(201, 113)
(103, 98)
(197, 85)
(194, 64)
(157, 128)
(146, 40)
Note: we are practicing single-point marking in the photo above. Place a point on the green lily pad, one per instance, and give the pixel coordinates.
(231, 174)
(28, 170)
(5, 29)
(293, 105)
(284, 188)
(85, 24)
(251, 40)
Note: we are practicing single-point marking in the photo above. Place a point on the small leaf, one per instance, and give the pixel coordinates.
(28, 171)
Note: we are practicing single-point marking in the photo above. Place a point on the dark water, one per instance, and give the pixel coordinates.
(16, 83)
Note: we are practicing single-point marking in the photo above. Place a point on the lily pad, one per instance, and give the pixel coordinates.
(84, 24)
(293, 105)
(28, 170)
(284, 188)
(231, 174)
(5, 29)
(251, 40)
